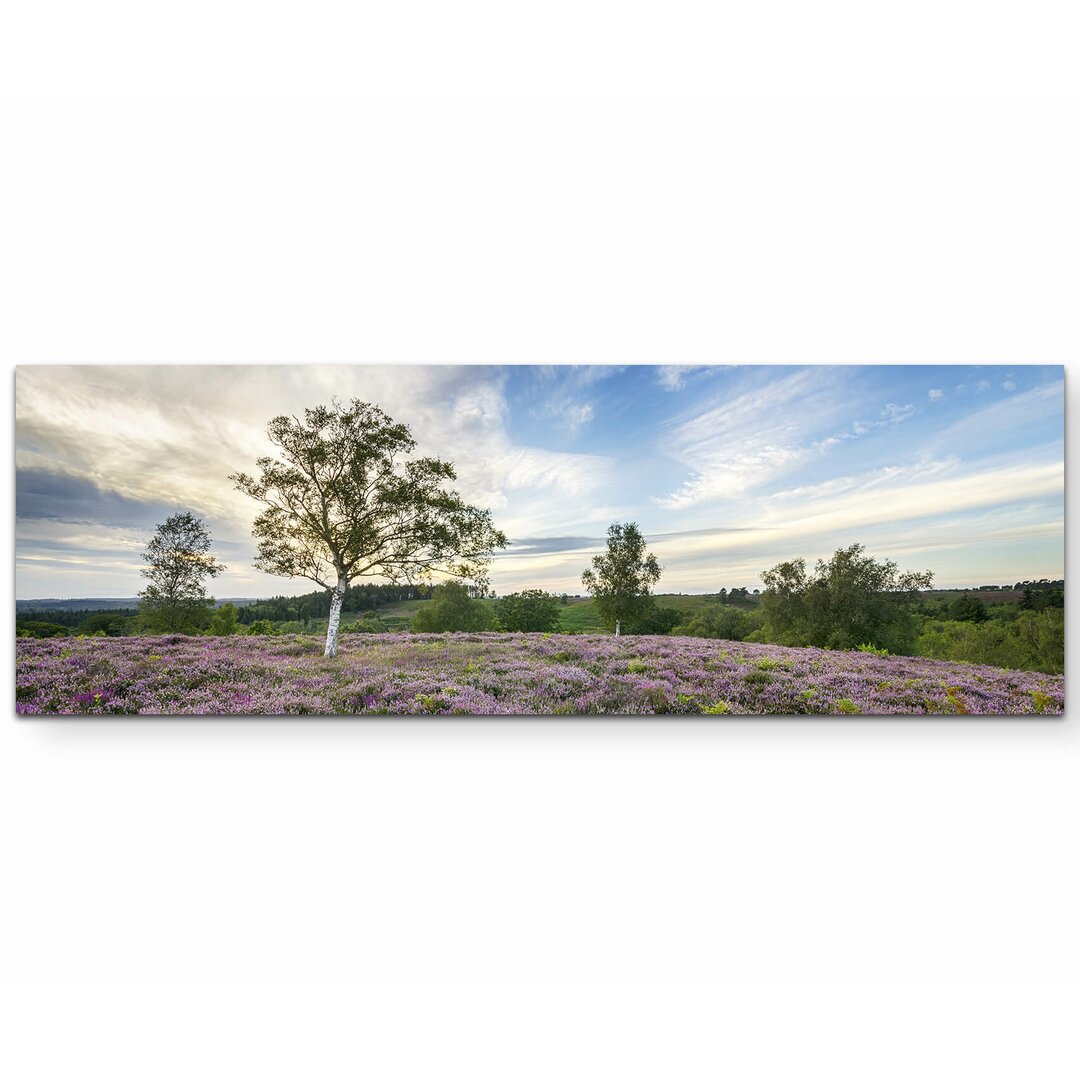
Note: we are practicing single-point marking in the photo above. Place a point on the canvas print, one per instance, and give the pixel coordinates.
(561, 540)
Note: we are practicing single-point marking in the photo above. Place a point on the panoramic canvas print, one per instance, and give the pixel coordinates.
(563, 540)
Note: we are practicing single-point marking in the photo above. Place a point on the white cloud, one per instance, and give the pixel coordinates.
(738, 442)
(894, 414)
(672, 376)
(936, 395)
(575, 417)
(172, 435)
(1009, 385)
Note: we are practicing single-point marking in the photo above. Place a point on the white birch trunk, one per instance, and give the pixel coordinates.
(618, 627)
(335, 619)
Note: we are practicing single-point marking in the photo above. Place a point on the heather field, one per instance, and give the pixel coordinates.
(510, 674)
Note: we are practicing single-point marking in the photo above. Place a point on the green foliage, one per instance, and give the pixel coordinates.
(654, 620)
(621, 579)
(968, 609)
(178, 563)
(532, 611)
(1041, 701)
(261, 627)
(224, 622)
(1032, 641)
(109, 623)
(38, 629)
(344, 499)
(721, 708)
(872, 649)
(451, 609)
(718, 621)
(851, 599)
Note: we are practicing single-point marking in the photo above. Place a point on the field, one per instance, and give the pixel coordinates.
(482, 674)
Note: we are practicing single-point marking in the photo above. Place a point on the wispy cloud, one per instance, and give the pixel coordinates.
(744, 467)
(740, 442)
(895, 414)
(132, 444)
(672, 377)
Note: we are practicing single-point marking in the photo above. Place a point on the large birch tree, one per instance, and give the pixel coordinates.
(345, 499)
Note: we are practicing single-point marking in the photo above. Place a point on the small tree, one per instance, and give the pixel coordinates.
(224, 622)
(451, 608)
(532, 612)
(344, 500)
(621, 580)
(178, 563)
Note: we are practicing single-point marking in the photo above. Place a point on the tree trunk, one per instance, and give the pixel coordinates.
(618, 627)
(335, 619)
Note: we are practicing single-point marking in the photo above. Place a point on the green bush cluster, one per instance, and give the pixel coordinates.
(1029, 641)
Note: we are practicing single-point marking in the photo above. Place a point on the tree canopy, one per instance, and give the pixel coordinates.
(532, 611)
(345, 499)
(851, 600)
(451, 608)
(621, 579)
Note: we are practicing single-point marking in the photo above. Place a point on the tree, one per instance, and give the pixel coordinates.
(224, 622)
(108, 622)
(178, 563)
(968, 608)
(344, 500)
(620, 580)
(532, 612)
(452, 608)
(655, 620)
(851, 600)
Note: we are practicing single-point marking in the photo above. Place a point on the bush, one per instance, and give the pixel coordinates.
(718, 621)
(1033, 641)
(452, 609)
(655, 620)
(37, 629)
(532, 611)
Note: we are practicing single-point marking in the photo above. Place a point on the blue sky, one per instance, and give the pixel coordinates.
(726, 469)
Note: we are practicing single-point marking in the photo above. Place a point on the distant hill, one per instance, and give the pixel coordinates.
(104, 603)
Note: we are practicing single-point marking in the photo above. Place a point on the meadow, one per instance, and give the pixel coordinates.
(495, 673)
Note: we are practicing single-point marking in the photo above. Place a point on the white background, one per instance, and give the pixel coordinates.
(577, 182)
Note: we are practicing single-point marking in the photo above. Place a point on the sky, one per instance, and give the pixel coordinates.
(726, 469)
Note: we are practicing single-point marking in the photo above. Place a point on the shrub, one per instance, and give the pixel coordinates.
(718, 621)
(451, 608)
(532, 611)
(872, 649)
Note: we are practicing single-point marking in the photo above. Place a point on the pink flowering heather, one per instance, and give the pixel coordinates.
(510, 674)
